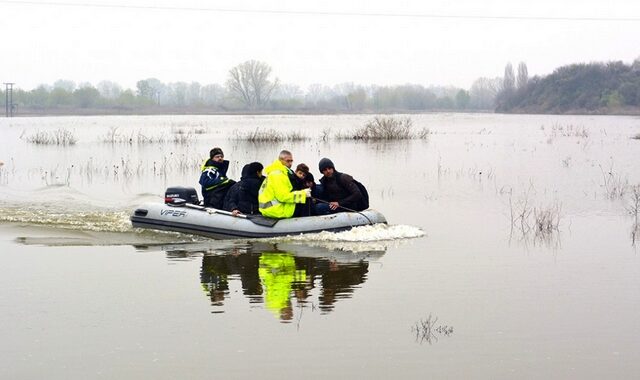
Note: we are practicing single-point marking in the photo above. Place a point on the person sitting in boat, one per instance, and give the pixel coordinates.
(340, 191)
(301, 173)
(243, 196)
(213, 179)
(277, 197)
(307, 181)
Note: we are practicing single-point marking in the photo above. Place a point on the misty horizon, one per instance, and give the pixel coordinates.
(379, 43)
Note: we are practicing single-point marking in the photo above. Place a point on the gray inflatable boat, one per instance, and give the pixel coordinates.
(181, 213)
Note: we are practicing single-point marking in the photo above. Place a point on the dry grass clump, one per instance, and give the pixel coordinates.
(634, 205)
(386, 128)
(614, 185)
(193, 131)
(546, 219)
(58, 137)
(569, 131)
(541, 222)
(634, 209)
(426, 330)
(269, 135)
(181, 137)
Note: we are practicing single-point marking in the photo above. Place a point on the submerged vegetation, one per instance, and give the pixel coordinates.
(426, 330)
(58, 137)
(269, 135)
(542, 221)
(633, 209)
(614, 184)
(386, 128)
(179, 137)
(380, 128)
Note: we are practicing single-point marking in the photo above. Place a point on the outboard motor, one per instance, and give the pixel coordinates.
(178, 196)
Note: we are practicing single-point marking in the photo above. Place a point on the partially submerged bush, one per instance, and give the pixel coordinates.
(57, 137)
(270, 135)
(386, 128)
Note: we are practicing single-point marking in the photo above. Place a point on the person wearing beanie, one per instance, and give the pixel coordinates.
(242, 197)
(213, 179)
(339, 190)
(277, 197)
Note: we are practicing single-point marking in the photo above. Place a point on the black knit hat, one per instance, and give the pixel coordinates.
(325, 163)
(255, 166)
(214, 152)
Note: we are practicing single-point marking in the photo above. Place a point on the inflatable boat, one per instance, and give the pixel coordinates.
(181, 212)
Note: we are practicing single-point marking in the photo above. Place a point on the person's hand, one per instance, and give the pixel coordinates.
(308, 192)
(334, 205)
(235, 212)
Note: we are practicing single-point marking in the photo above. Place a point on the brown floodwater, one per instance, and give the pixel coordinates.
(463, 283)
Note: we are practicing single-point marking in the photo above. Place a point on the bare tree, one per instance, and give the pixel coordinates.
(509, 81)
(523, 75)
(483, 92)
(249, 82)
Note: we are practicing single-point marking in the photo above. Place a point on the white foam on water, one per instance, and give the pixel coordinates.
(374, 238)
(376, 232)
(106, 221)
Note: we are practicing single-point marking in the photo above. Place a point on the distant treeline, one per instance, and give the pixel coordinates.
(580, 88)
(611, 87)
(249, 88)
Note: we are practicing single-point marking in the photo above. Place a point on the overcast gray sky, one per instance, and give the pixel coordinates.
(367, 42)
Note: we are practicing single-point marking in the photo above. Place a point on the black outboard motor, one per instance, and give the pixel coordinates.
(178, 196)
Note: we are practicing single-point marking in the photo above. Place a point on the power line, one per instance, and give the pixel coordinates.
(324, 13)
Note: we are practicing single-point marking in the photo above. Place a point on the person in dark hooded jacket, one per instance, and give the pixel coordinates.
(243, 196)
(338, 189)
(213, 179)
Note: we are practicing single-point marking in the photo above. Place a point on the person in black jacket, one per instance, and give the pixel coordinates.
(243, 196)
(338, 189)
(213, 179)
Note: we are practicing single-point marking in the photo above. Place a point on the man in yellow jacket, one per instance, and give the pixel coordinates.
(276, 198)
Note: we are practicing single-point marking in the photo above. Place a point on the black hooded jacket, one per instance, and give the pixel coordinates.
(243, 195)
(341, 188)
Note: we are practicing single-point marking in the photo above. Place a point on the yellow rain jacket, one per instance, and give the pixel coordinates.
(276, 197)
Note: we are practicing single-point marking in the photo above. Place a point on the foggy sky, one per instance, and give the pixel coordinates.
(337, 41)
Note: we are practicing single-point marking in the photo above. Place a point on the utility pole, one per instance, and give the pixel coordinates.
(8, 98)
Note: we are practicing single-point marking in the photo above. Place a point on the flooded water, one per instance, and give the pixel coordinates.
(510, 253)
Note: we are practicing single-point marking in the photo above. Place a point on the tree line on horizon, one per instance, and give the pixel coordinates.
(251, 87)
(611, 87)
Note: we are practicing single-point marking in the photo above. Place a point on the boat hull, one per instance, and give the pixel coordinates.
(208, 222)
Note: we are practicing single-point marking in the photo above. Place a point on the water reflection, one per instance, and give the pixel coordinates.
(282, 277)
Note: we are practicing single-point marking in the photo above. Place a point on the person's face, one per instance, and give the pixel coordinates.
(287, 161)
(259, 172)
(328, 172)
(218, 158)
(300, 174)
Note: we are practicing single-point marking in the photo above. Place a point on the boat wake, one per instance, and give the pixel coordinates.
(377, 237)
(103, 220)
(106, 223)
(376, 232)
